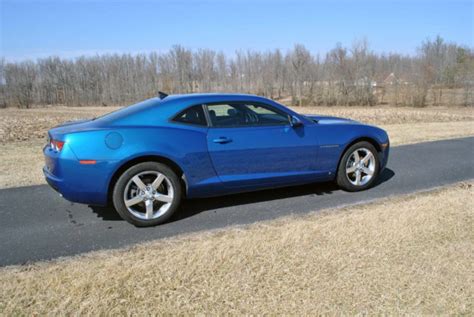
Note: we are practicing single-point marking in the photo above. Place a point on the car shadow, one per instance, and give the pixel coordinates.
(386, 175)
(106, 213)
(193, 207)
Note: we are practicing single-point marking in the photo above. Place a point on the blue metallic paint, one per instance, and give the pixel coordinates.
(257, 157)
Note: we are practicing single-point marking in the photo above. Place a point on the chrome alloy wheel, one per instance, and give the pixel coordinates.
(360, 167)
(148, 195)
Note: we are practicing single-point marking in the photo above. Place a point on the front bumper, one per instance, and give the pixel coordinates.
(383, 156)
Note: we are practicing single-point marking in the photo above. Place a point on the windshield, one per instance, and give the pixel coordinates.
(310, 118)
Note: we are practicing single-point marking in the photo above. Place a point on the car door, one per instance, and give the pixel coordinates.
(254, 145)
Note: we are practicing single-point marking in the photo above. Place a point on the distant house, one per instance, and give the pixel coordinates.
(365, 82)
(392, 79)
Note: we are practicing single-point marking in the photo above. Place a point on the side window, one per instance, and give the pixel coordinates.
(192, 115)
(225, 115)
(243, 115)
(268, 116)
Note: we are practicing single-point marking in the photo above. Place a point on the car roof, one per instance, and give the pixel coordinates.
(156, 110)
(212, 97)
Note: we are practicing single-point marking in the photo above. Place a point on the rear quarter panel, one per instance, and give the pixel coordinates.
(186, 146)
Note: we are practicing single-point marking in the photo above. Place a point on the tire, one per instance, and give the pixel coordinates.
(349, 169)
(153, 193)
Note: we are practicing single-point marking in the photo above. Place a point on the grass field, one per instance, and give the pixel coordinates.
(32, 124)
(23, 132)
(406, 255)
(403, 255)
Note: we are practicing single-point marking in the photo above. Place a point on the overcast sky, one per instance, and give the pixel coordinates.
(31, 29)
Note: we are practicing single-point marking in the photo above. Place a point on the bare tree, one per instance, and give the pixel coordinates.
(300, 60)
(3, 97)
(19, 80)
(441, 73)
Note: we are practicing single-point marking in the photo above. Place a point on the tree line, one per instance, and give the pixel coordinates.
(352, 75)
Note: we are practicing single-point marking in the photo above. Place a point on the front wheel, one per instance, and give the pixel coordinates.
(147, 194)
(359, 167)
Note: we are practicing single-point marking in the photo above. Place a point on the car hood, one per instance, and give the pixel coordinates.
(331, 120)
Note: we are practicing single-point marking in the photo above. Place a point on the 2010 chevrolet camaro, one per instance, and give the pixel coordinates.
(145, 158)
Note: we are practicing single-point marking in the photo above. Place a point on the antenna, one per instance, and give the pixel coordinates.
(162, 95)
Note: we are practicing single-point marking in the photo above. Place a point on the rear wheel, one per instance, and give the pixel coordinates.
(359, 167)
(147, 194)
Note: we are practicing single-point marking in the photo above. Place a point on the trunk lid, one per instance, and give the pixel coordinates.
(59, 131)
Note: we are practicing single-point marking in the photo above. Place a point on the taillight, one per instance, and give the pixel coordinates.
(56, 145)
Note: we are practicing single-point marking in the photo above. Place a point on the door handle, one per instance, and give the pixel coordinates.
(222, 140)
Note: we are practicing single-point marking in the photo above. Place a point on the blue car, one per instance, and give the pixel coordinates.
(145, 158)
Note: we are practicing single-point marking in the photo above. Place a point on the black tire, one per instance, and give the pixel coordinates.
(343, 179)
(126, 178)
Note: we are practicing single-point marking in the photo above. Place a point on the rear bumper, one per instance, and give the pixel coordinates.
(86, 184)
(74, 190)
(52, 181)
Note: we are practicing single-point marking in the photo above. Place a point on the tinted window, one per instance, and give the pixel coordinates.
(193, 115)
(129, 110)
(236, 115)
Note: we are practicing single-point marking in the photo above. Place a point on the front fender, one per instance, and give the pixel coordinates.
(334, 140)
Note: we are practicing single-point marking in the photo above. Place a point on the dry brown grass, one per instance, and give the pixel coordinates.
(30, 124)
(22, 132)
(401, 134)
(406, 255)
(383, 115)
(22, 164)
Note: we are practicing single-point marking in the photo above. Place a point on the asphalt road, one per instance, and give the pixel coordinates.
(37, 224)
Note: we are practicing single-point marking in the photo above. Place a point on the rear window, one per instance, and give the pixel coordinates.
(192, 115)
(129, 110)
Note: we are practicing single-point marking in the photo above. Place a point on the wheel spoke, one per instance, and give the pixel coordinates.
(358, 177)
(164, 198)
(133, 201)
(148, 195)
(351, 169)
(159, 179)
(368, 157)
(367, 171)
(139, 182)
(149, 209)
(356, 156)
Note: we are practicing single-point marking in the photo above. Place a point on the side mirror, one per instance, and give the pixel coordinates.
(295, 122)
